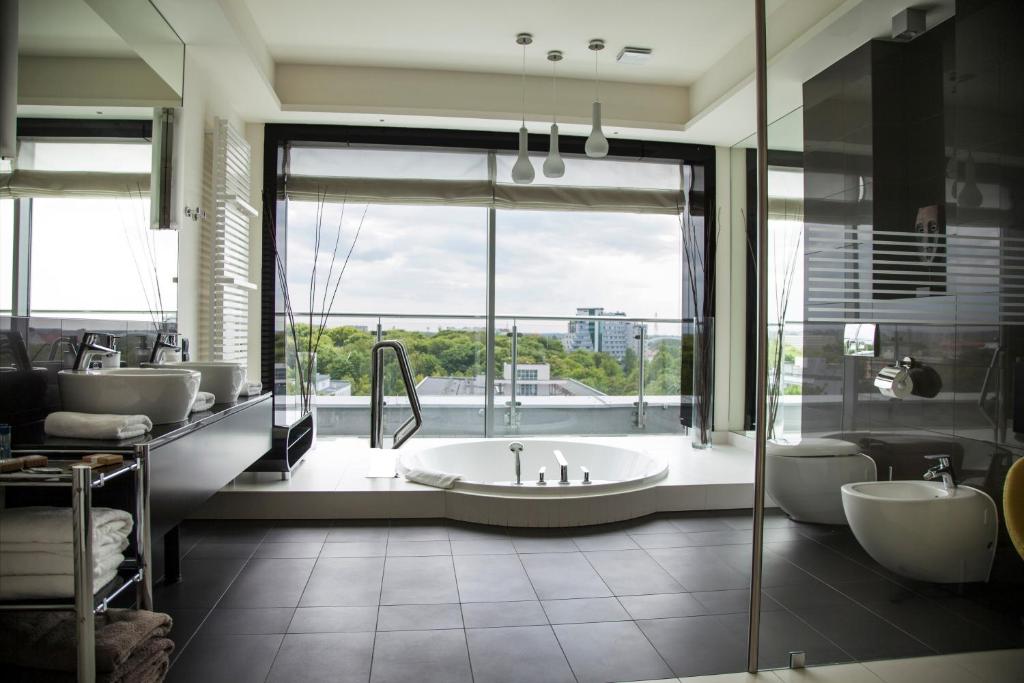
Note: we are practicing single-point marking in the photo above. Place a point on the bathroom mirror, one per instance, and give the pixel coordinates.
(860, 339)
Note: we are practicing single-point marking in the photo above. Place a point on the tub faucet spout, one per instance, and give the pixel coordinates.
(516, 449)
(944, 469)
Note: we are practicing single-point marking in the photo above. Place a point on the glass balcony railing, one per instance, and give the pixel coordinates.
(551, 374)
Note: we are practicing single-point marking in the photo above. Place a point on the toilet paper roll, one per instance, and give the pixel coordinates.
(894, 382)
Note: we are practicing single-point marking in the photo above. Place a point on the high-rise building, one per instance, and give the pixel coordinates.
(607, 336)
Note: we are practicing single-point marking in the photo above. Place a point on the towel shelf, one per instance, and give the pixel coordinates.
(83, 479)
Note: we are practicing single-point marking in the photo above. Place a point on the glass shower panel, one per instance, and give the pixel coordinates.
(889, 173)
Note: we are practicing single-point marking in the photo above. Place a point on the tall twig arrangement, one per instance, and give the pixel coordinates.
(146, 265)
(787, 258)
(700, 283)
(305, 353)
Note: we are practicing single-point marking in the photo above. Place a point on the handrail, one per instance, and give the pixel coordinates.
(411, 425)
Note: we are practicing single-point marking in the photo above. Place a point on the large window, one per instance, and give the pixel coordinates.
(580, 273)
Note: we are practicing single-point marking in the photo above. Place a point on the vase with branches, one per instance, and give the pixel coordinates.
(787, 256)
(302, 337)
(698, 254)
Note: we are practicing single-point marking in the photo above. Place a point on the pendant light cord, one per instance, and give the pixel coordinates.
(597, 81)
(554, 90)
(524, 85)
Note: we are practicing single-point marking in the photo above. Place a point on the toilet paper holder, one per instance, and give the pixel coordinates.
(908, 376)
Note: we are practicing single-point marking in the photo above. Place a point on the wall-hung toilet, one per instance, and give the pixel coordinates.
(804, 478)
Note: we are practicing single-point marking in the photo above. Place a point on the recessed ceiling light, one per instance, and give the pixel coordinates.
(634, 55)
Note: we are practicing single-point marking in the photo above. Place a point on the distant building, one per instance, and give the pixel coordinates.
(606, 336)
(531, 380)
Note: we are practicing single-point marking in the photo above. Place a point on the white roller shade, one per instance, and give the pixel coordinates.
(22, 184)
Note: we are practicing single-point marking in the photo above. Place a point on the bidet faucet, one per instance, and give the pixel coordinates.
(164, 342)
(91, 346)
(516, 449)
(944, 469)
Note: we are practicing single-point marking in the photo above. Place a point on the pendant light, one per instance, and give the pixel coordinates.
(597, 143)
(522, 171)
(554, 167)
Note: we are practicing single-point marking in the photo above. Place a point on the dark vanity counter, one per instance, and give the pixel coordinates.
(33, 439)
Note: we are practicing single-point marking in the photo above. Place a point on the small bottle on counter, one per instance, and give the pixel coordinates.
(5, 441)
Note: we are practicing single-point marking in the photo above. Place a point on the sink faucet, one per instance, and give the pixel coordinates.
(516, 449)
(163, 343)
(944, 469)
(91, 346)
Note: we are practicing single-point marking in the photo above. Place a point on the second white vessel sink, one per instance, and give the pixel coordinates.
(163, 395)
(922, 531)
(221, 378)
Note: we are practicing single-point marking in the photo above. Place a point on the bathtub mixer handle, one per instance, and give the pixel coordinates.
(586, 474)
(540, 476)
(563, 466)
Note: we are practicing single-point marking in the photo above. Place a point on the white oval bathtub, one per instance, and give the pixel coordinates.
(488, 466)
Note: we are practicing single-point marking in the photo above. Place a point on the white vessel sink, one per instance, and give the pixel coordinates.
(163, 395)
(921, 531)
(221, 378)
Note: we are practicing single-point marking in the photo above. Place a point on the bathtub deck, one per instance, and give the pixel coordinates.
(332, 484)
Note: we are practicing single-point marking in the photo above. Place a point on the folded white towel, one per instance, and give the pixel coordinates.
(48, 564)
(90, 426)
(442, 480)
(52, 525)
(47, 586)
(109, 545)
(204, 401)
(251, 389)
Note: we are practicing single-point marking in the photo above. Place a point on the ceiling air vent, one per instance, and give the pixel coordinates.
(634, 55)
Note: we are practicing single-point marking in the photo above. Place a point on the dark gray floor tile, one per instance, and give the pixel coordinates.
(344, 581)
(491, 546)
(732, 601)
(286, 550)
(186, 622)
(613, 540)
(554, 544)
(557, 576)
(942, 631)
(616, 651)
(418, 548)
(409, 530)
(809, 596)
(235, 531)
(251, 621)
(299, 532)
(696, 646)
(209, 550)
(334, 619)
(675, 539)
(327, 657)
(203, 583)
(662, 606)
(517, 654)
(464, 531)
(632, 572)
(489, 614)
(355, 549)
(419, 580)
(823, 563)
(492, 578)
(584, 610)
(649, 525)
(421, 656)
(699, 524)
(419, 617)
(269, 583)
(347, 532)
(781, 632)
(772, 520)
(721, 537)
(697, 569)
(860, 633)
(226, 659)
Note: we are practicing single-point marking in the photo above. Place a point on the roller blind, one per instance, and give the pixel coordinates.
(23, 184)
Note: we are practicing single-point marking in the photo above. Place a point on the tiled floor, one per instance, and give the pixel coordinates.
(651, 599)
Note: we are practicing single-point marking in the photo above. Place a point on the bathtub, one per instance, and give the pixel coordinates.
(621, 484)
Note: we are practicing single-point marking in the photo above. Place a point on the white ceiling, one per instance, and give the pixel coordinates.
(65, 28)
(687, 36)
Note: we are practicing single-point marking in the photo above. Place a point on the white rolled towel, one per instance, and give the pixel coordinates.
(422, 475)
(204, 401)
(52, 525)
(47, 564)
(108, 545)
(96, 426)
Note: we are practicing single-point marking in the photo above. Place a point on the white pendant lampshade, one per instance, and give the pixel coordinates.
(522, 171)
(554, 167)
(597, 144)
